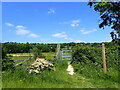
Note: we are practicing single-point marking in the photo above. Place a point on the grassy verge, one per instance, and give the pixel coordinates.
(59, 78)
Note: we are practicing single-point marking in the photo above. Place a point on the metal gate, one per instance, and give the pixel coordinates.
(66, 55)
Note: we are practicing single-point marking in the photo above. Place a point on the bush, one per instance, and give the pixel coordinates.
(7, 64)
(36, 52)
(88, 61)
(93, 55)
(85, 54)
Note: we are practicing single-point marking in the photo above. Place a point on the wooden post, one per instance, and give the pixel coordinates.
(58, 52)
(104, 58)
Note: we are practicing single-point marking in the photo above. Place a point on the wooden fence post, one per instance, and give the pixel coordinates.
(104, 57)
(58, 52)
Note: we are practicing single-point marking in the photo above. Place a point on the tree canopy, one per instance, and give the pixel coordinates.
(109, 14)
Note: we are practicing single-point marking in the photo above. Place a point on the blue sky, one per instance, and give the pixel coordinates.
(51, 22)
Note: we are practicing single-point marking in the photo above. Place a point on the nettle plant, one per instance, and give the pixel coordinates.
(36, 52)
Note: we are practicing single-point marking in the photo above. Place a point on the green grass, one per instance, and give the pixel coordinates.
(56, 79)
(24, 57)
(44, 53)
(50, 53)
(20, 54)
(20, 58)
(27, 57)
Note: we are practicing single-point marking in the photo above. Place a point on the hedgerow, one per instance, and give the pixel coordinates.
(88, 60)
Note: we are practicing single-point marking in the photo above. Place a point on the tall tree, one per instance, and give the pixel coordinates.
(109, 13)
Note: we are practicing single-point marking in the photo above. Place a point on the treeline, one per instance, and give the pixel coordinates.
(14, 47)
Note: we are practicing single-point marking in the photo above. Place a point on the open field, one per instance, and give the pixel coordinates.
(28, 57)
(44, 53)
(20, 54)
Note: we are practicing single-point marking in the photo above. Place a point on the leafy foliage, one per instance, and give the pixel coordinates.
(93, 55)
(36, 52)
(82, 54)
(7, 64)
(109, 14)
(87, 60)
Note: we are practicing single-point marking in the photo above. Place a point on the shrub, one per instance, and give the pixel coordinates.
(7, 64)
(36, 52)
(83, 54)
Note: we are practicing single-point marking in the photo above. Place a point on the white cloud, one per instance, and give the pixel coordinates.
(75, 21)
(60, 35)
(22, 32)
(108, 39)
(9, 24)
(51, 11)
(33, 35)
(66, 37)
(20, 27)
(72, 23)
(87, 32)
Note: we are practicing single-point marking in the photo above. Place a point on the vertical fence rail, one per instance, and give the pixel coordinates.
(58, 52)
(104, 57)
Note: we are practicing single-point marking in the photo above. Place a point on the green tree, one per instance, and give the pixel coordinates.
(109, 13)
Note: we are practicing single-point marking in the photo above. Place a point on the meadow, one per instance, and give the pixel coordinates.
(20, 78)
(22, 58)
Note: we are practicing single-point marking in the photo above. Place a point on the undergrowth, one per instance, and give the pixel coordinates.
(84, 78)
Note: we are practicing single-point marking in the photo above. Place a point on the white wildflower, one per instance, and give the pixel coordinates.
(70, 69)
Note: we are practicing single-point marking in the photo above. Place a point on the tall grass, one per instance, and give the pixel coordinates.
(97, 76)
(20, 78)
